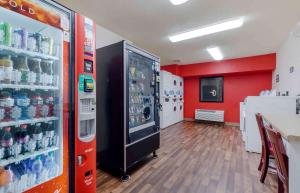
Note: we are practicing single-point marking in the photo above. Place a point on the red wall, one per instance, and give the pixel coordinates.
(242, 77)
(173, 68)
(236, 88)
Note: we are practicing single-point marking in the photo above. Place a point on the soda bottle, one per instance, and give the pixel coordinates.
(48, 128)
(50, 165)
(34, 65)
(2, 71)
(45, 71)
(37, 136)
(7, 142)
(16, 177)
(32, 71)
(31, 145)
(19, 38)
(38, 38)
(44, 110)
(17, 146)
(49, 101)
(6, 176)
(48, 71)
(23, 171)
(6, 104)
(2, 113)
(16, 74)
(37, 102)
(47, 45)
(22, 101)
(31, 175)
(5, 34)
(21, 64)
(15, 113)
(32, 43)
(36, 168)
(7, 179)
(6, 68)
(22, 136)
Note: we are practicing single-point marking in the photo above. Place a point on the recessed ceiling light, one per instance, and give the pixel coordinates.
(231, 24)
(215, 53)
(178, 2)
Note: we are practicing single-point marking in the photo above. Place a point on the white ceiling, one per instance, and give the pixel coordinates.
(148, 23)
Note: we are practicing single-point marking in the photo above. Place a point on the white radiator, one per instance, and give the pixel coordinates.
(209, 115)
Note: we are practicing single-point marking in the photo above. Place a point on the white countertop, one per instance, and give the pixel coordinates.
(287, 124)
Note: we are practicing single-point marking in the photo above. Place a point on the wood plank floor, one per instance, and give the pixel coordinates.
(195, 158)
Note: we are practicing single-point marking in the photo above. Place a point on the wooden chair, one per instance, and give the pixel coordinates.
(267, 150)
(281, 159)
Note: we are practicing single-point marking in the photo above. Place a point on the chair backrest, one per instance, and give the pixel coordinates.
(262, 131)
(279, 153)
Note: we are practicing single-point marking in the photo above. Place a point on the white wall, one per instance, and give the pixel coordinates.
(105, 37)
(288, 56)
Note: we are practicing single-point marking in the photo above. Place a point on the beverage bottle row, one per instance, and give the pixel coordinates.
(27, 138)
(20, 38)
(136, 88)
(136, 109)
(136, 120)
(22, 70)
(30, 172)
(21, 105)
(136, 99)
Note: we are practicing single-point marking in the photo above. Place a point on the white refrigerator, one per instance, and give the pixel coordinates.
(171, 98)
(261, 104)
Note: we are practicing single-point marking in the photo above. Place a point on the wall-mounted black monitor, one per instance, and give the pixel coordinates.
(212, 89)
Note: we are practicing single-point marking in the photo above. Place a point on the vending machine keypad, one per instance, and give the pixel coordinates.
(87, 108)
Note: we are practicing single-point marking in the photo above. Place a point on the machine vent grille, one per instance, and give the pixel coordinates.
(209, 115)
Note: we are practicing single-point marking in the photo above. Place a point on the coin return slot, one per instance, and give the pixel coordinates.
(88, 173)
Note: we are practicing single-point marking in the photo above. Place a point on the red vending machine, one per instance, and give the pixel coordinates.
(46, 98)
(84, 165)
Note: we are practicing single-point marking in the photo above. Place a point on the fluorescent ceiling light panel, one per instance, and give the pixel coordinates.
(231, 24)
(178, 2)
(215, 53)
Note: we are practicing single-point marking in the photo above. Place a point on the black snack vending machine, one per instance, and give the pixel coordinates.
(127, 107)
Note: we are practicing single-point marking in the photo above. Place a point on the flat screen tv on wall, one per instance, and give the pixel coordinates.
(212, 89)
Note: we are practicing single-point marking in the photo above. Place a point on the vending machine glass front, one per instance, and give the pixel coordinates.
(141, 89)
(31, 96)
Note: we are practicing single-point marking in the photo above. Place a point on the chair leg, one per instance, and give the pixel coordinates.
(264, 169)
(260, 164)
(261, 159)
(280, 186)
